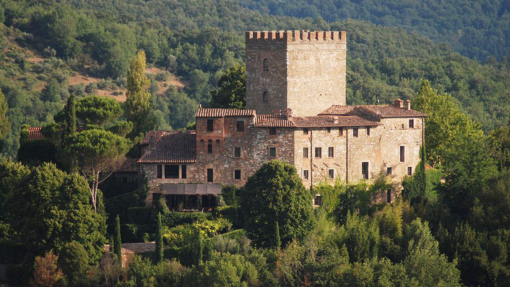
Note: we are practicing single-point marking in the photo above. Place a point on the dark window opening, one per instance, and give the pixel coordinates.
(402, 154)
(411, 124)
(305, 152)
(160, 171)
(210, 175)
(202, 144)
(331, 173)
(171, 171)
(265, 97)
(318, 152)
(317, 200)
(329, 130)
(272, 152)
(155, 198)
(184, 171)
(272, 131)
(265, 65)
(341, 131)
(388, 196)
(403, 126)
(389, 170)
(210, 125)
(364, 170)
(331, 152)
(305, 174)
(409, 171)
(237, 174)
(240, 126)
(218, 144)
(355, 132)
(368, 131)
(237, 152)
(209, 146)
(305, 131)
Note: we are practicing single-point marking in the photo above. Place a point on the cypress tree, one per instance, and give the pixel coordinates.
(278, 242)
(199, 247)
(118, 241)
(5, 124)
(159, 241)
(70, 120)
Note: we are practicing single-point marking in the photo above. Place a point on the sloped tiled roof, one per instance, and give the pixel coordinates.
(337, 110)
(275, 120)
(312, 122)
(218, 113)
(381, 111)
(170, 147)
(34, 133)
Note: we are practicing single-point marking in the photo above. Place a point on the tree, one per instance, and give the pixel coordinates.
(46, 271)
(231, 91)
(97, 110)
(74, 262)
(118, 240)
(445, 121)
(275, 192)
(277, 240)
(51, 208)
(69, 121)
(159, 241)
(98, 153)
(499, 141)
(137, 107)
(37, 151)
(51, 92)
(5, 124)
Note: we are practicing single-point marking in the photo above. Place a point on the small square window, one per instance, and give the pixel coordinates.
(210, 125)
(171, 171)
(305, 174)
(317, 200)
(331, 152)
(272, 131)
(237, 152)
(409, 171)
(318, 152)
(355, 132)
(329, 130)
(341, 131)
(389, 171)
(305, 131)
(331, 173)
(237, 174)
(240, 126)
(368, 131)
(305, 152)
(411, 124)
(272, 152)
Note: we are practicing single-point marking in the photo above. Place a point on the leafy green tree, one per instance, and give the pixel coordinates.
(231, 91)
(227, 270)
(51, 92)
(275, 192)
(97, 110)
(36, 152)
(73, 260)
(118, 240)
(159, 240)
(5, 124)
(499, 141)
(361, 238)
(98, 153)
(121, 128)
(51, 208)
(137, 107)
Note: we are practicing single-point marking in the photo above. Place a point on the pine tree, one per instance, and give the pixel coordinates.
(118, 241)
(159, 241)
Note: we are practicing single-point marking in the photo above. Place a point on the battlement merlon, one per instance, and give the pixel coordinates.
(295, 36)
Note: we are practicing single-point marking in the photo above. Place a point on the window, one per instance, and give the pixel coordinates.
(411, 124)
(155, 198)
(305, 174)
(237, 174)
(210, 175)
(409, 171)
(403, 126)
(240, 126)
(318, 152)
(305, 131)
(388, 196)
(272, 152)
(341, 131)
(331, 152)
(402, 154)
(237, 152)
(317, 200)
(209, 146)
(265, 65)
(218, 145)
(389, 170)
(368, 131)
(331, 173)
(160, 171)
(171, 171)
(184, 171)
(264, 97)
(364, 170)
(202, 143)
(305, 152)
(355, 132)
(272, 131)
(210, 125)
(329, 130)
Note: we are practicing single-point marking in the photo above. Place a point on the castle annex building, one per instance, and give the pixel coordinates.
(295, 112)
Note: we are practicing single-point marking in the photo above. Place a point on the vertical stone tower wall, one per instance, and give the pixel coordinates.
(301, 70)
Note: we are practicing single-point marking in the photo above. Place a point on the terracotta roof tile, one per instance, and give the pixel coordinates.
(170, 147)
(218, 113)
(337, 110)
(312, 122)
(381, 111)
(275, 120)
(34, 133)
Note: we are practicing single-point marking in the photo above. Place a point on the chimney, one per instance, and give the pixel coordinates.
(288, 113)
(408, 105)
(399, 103)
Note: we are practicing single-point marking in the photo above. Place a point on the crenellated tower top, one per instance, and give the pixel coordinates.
(297, 36)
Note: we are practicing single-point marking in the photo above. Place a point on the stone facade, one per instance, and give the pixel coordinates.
(303, 121)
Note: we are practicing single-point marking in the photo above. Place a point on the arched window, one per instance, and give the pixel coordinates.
(209, 146)
(264, 97)
(265, 65)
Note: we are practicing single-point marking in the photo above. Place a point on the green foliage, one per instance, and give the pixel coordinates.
(36, 152)
(73, 260)
(121, 128)
(69, 129)
(118, 240)
(231, 91)
(5, 124)
(230, 194)
(51, 92)
(499, 142)
(97, 110)
(275, 192)
(159, 240)
(361, 238)
(227, 269)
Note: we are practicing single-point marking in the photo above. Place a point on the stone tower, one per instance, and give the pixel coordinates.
(301, 70)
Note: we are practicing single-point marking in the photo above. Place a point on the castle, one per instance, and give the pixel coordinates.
(295, 112)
